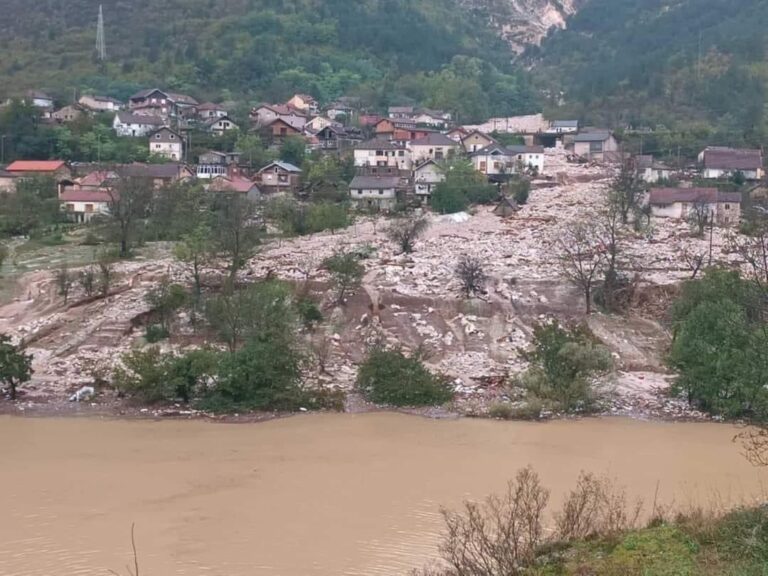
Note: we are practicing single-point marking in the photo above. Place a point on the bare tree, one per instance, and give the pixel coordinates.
(582, 257)
(753, 248)
(499, 536)
(130, 198)
(699, 216)
(106, 275)
(471, 274)
(405, 231)
(64, 282)
(87, 281)
(626, 191)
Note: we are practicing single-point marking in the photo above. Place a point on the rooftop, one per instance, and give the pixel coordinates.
(375, 182)
(708, 195)
(36, 166)
(732, 158)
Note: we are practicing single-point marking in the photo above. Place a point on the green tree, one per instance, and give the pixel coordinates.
(129, 205)
(15, 365)
(293, 150)
(462, 186)
(165, 300)
(391, 377)
(252, 151)
(235, 231)
(346, 273)
(64, 282)
(261, 311)
(719, 345)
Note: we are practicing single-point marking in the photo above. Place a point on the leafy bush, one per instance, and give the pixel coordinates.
(154, 333)
(263, 375)
(531, 410)
(391, 377)
(563, 361)
(309, 313)
(151, 377)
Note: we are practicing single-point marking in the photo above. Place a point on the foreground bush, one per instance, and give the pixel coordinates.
(391, 377)
(597, 534)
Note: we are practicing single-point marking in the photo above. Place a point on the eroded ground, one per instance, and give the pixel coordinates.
(413, 300)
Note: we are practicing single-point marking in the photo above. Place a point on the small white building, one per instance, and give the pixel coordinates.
(652, 171)
(680, 202)
(209, 110)
(378, 192)
(426, 177)
(82, 206)
(379, 152)
(166, 143)
(136, 126)
(721, 162)
(433, 146)
(563, 127)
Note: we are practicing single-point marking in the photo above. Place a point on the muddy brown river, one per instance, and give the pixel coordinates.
(323, 495)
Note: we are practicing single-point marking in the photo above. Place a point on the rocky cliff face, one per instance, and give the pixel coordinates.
(525, 22)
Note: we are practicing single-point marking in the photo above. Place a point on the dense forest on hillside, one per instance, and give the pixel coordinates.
(430, 52)
(684, 64)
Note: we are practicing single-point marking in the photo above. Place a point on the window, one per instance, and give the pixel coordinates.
(401, 153)
(595, 146)
(89, 208)
(173, 136)
(483, 166)
(379, 153)
(157, 136)
(727, 206)
(70, 207)
(381, 192)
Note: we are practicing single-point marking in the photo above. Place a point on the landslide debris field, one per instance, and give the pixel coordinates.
(411, 300)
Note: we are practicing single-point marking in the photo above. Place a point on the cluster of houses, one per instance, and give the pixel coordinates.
(398, 157)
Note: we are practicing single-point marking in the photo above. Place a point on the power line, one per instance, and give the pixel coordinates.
(101, 42)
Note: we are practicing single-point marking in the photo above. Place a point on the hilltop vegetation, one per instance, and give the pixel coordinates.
(691, 64)
(385, 51)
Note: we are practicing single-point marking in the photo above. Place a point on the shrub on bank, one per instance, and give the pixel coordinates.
(391, 377)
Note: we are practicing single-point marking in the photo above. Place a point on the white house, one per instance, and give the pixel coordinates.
(563, 127)
(374, 191)
(433, 146)
(497, 160)
(83, 205)
(127, 124)
(652, 171)
(213, 163)
(166, 143)
(721, 162)
(379, 152)
(680, 202)
(426, 177)
(475, 141)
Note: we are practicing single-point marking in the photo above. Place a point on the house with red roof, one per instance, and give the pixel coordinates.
(58, 169)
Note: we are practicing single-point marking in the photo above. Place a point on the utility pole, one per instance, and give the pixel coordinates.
(101, 42)
(2, 149)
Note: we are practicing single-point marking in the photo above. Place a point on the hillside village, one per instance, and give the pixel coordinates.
(410, 300)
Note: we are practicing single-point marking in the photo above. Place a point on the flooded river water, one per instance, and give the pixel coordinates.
(323, 495)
